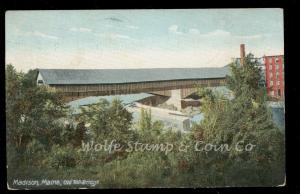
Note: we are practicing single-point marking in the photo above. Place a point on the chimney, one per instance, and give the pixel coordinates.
(242, 54)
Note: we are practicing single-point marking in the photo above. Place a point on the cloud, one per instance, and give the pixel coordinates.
(225, 34)
(35, 33)
(80, 29)
(194, 31)
(132, 27)
(218, 33)
(174, 30)
(39, 34)
(251, 37)
(120, 36)
(113, 36)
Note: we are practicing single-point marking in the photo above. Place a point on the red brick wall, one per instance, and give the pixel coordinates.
(275, 90)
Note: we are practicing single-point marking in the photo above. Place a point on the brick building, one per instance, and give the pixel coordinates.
(272, 72)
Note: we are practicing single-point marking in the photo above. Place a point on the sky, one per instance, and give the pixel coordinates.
(118, 39)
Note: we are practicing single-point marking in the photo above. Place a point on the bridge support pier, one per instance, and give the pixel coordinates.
(175, 99)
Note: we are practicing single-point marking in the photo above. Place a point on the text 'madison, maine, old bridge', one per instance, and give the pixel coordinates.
(178, 83)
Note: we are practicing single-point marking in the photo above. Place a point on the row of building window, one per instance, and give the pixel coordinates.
(278, 93)
(277, 66)
(276, 60)
(271, 75)
(277, 75)
(272, 83)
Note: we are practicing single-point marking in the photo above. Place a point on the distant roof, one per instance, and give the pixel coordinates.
(109, 76)
(125, 98)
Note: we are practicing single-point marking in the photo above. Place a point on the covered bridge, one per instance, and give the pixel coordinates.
(79, 83)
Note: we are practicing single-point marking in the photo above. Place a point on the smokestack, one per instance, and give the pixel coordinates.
(242, 53)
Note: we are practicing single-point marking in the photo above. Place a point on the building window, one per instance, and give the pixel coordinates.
(271, 74)
(278, 83)
(271, 83)
(270, 60)
(40, 82)
(279, 92)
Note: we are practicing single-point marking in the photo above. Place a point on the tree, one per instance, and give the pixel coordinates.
(247, 80)
(119, 121)
(108, 121)
(80, 134)
(247, 119)
(96, 116)
(145, 122)
(29, 79)
(149, 130)
(13, 84)
(31, 112)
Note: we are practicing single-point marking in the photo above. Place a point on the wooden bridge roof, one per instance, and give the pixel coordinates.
(110, 76)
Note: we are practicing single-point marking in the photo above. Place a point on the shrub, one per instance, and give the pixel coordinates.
(62, 157)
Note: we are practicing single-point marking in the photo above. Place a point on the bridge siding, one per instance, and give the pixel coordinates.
(187, 86)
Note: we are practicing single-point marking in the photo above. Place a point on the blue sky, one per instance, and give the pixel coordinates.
(139, 38)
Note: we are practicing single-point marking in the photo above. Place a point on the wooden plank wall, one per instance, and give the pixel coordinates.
(130, 88)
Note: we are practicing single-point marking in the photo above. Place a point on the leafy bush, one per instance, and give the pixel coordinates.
(60, 157)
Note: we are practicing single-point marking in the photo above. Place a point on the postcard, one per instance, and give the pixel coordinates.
(167, 98)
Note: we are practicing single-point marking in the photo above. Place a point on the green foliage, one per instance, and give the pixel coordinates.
(41, 145)
(31, 118)
(31, 110)
(149, 130)
(119, 121)
(29, 80)
(61, 157)
(96, 116)
(245, 81)
(145, 123)
(137, 170)
(80, 134)
(108, 120)
(247, 119)
(34, 153)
